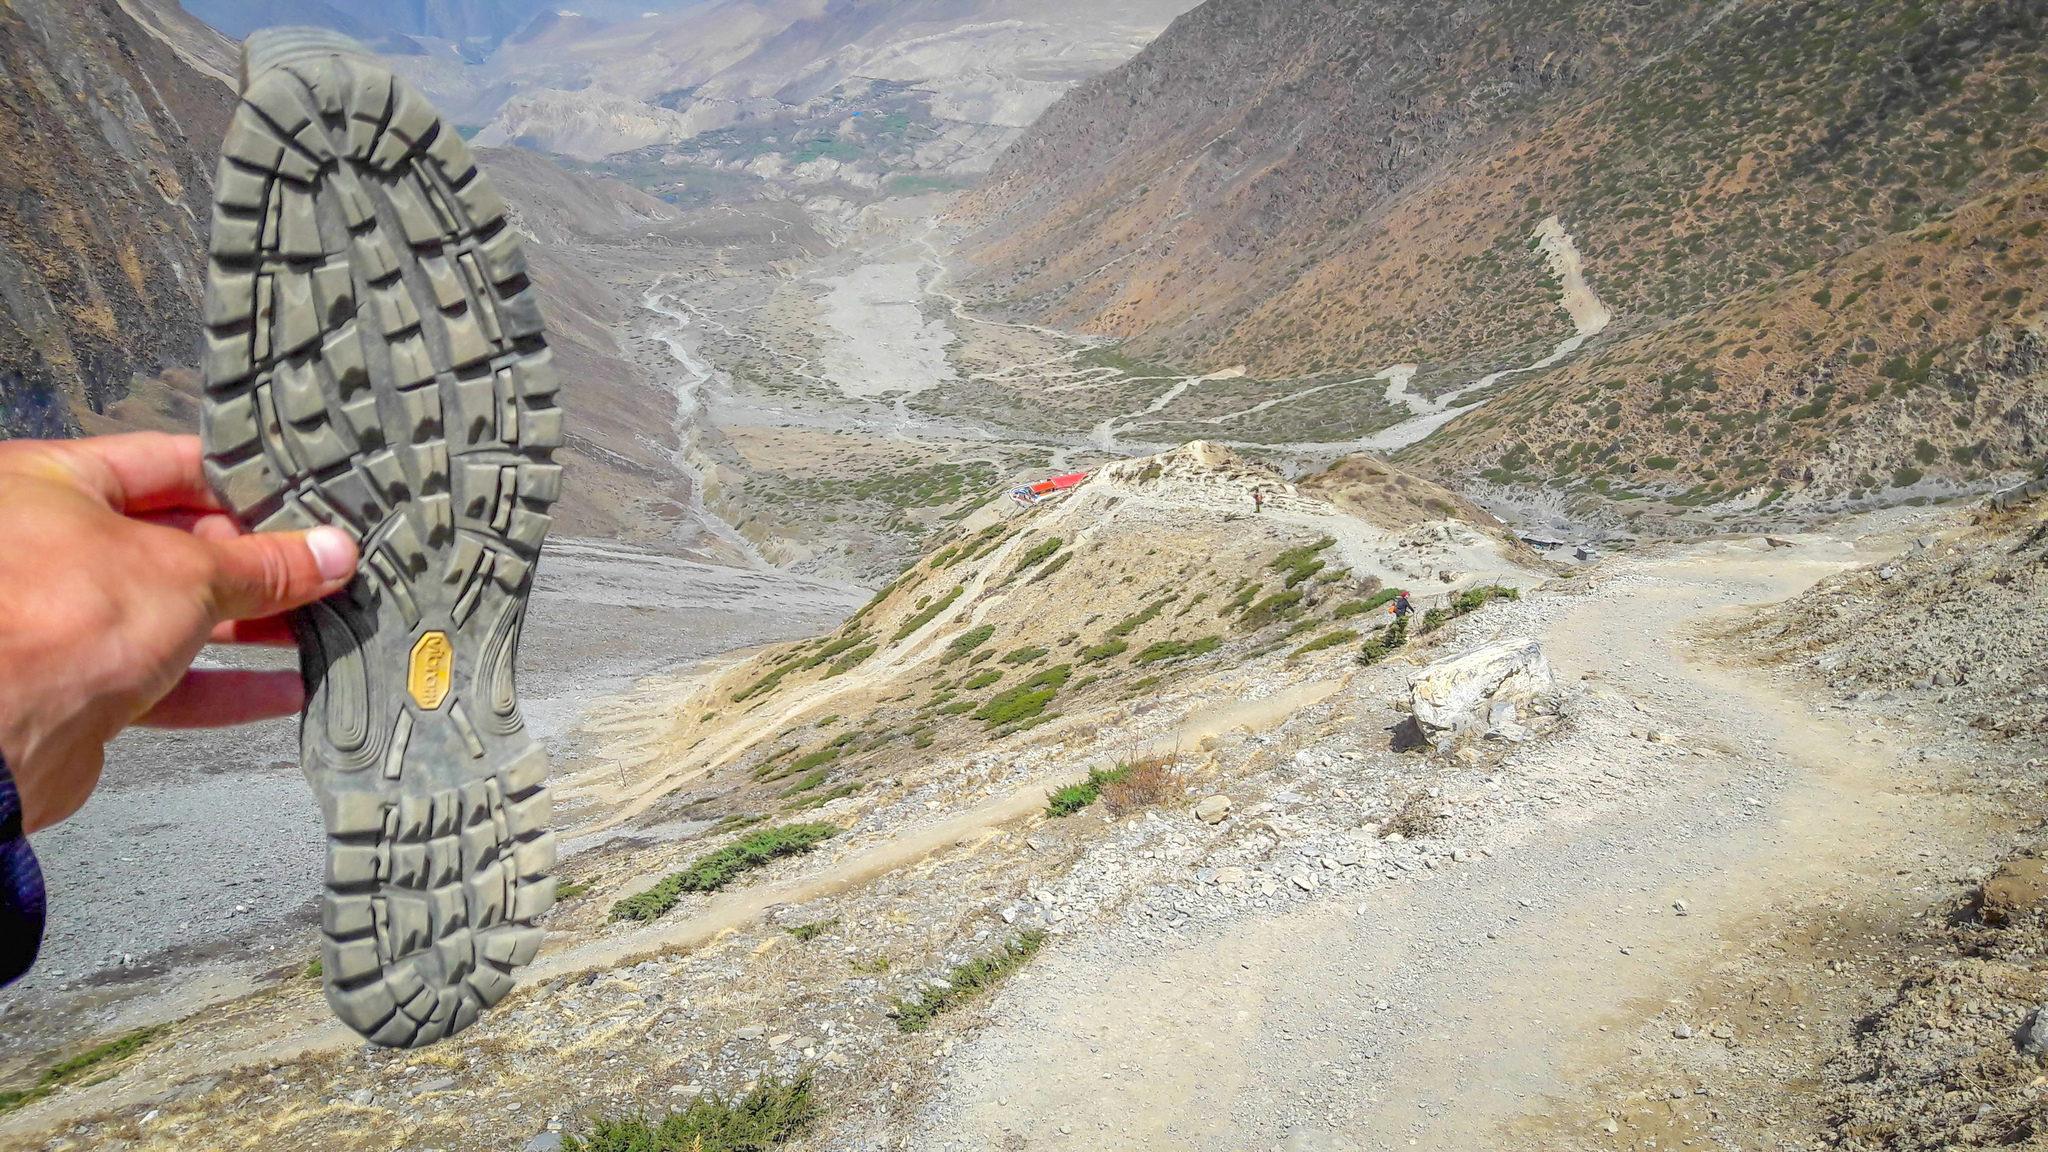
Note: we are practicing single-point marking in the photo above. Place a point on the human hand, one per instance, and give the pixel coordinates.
(117, 565)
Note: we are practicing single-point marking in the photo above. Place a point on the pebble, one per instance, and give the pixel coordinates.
(752, 1032)
(545, 1142)
(1683, 1031)
(2034, 1037)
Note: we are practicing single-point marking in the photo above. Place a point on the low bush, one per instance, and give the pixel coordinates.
(1177, 650)
(64, 1071)
(1352, 608)
(1135, 621)
(1058, 563)
(1270, 609)
(1103, 651)
(813, 930)
(1301, 563)
(774, 1112)
(967, 642)
(1386, 641)
(715, 870)
(1327, 640)
(915, 1013)
(1131, 787)
(929, 614)
(1044, 549)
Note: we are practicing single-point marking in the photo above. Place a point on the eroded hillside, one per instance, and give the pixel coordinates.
(1152, 571)
(1817, 226)
(111, 117)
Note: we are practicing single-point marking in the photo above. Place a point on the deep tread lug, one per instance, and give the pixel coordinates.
(337, 395)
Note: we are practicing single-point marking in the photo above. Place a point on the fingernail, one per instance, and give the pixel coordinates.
(333, 552)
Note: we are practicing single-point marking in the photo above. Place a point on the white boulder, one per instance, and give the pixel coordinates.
(1458, 691)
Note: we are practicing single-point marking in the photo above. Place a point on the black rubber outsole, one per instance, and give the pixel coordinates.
(375, 361)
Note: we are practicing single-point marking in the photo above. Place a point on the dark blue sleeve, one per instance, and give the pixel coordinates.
(21, 888)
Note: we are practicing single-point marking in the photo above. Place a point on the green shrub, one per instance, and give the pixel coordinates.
(1032, 557)
(823, 798)
(967, 642)
(1388, 639)
(1327, 640)
(1177, 649)
(1352, 608)
(1243, 597)
(1014, 705)
(914, 1014)
(771, 1114)
(1069, 800)
(56, 1075)
(1101, 652)
(1473, 599)
(1023, 655)
(982, 680)
(715, 870)
(813, 930)
(1074, 797)
(929, 614)
(846, 662)
(1270, 609)
(1301, 563)
(806, 784)
(1058, 563)
(825, 755)
(1132, 623)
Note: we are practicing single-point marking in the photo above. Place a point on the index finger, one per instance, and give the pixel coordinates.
(138, 472)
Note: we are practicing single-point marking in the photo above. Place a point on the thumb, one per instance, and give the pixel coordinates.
(265, 573)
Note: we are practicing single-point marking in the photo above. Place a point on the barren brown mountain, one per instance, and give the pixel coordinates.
(109, 115)
(1818, 225)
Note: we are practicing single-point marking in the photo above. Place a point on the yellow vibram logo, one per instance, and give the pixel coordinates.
(433, 666)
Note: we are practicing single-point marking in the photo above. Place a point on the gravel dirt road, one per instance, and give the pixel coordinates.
(1455, 1004)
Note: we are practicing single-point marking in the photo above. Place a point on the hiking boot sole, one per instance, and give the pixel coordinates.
(374, 360)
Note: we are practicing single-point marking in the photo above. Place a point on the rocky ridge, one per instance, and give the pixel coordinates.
(1955, 620)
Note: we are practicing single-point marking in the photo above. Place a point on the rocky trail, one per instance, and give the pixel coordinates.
(1675, 883)
(1583, 893)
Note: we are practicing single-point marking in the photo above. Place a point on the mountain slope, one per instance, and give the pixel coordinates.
(1311, 187)
(108, 122)
(1152, 571)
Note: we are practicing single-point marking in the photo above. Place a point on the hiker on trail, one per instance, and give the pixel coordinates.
(1402, 608)
(1258, 500)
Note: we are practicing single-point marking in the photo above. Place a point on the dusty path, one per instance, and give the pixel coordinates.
(1451, 1003)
